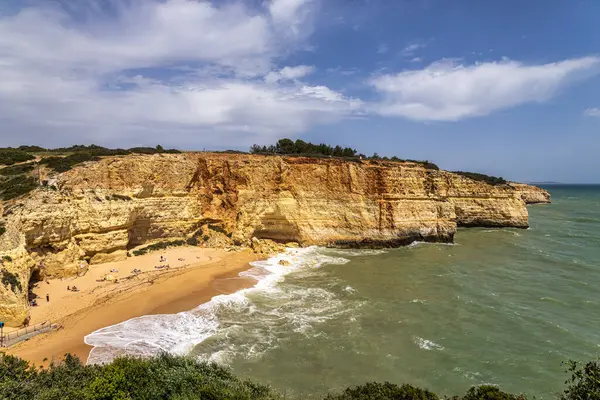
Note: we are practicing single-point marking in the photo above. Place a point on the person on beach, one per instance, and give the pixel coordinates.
(47, 297)
(68, 287)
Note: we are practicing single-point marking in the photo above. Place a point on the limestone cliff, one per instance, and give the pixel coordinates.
(97, 211)
(531, 194)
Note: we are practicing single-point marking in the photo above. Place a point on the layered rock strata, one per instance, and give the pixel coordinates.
(98, 211)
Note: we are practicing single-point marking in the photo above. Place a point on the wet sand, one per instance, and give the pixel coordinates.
(203, 274)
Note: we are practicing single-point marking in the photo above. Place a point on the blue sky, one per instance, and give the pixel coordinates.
(507, 88)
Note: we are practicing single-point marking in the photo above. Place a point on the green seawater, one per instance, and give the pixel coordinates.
(501, 306)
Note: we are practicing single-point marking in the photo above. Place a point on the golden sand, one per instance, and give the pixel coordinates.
(194, 277)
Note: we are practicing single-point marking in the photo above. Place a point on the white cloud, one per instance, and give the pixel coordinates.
(592, 112)
(382, 48)
(449, 91)
(410, 50)
(181, 70)
(289, 73)
(288, 15)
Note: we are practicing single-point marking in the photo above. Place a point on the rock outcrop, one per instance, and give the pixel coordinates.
(531, 194)
(99, 210)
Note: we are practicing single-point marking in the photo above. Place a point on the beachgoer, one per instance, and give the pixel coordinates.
(68, 287)
(47, 297)
(26, 321)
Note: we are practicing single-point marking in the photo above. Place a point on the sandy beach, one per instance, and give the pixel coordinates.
(194, 276)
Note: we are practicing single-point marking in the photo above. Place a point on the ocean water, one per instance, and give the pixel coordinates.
(500, 306)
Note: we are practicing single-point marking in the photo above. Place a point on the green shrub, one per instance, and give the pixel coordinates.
(583, 382)
(2, 229)
(193, 241)
(78, 154)
(33, 149)
(384, 391)
(492, 180)
(162, 377)
(16, 186)
(63, 164)
(10, 156)
(17, 169)
(217, 228)
(11, 281)
(301, 148)
(488, 392)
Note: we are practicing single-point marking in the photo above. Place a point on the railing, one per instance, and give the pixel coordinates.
(11, 337)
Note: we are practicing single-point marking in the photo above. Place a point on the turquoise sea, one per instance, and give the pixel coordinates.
(500, 306)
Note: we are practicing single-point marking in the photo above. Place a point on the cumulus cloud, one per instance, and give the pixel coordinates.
(450, 91)
(184, 71)
(592, 112)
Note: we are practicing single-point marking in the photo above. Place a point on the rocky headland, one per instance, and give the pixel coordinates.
(106, 210)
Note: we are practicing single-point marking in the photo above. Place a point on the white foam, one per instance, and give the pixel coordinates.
(425, 344)
(180, 333)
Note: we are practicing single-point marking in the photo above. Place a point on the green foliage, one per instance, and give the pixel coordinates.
(2, 229)
(217, 228)
(176, 377)
(384, 391)
(584, 381)
(10, 156)
(33, 149)
(488, 392)
(16, 186)
(163, 377)
(159, 246)
(11, 281)
(78, 154)
(492, 180)
(302, 148)
(6, 259)
(62, 164)
(17, 169)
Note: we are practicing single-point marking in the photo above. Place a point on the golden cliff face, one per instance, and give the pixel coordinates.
(531, 194)
(102, 209)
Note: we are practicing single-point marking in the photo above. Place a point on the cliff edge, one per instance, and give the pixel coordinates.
(99, 210)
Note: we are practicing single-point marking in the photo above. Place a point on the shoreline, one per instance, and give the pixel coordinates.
(156, 292)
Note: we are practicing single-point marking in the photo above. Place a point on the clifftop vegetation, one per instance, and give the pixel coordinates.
(301, 148)
(174, 377)
(492, 180)
(16, 178)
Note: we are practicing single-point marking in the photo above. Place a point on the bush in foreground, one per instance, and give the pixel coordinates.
(176, 377)
(163, 377)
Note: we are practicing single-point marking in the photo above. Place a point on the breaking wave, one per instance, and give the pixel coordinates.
(246, 322)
